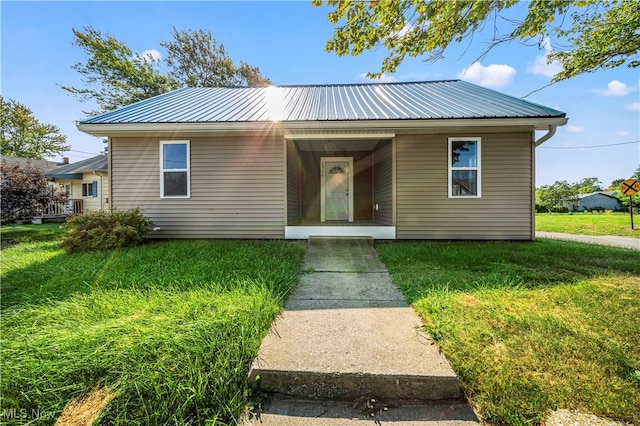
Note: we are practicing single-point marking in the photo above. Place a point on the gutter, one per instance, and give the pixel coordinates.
(547, 136)
(387, 126)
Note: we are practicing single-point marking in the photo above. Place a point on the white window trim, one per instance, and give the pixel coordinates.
(478, 167)
(188, 169)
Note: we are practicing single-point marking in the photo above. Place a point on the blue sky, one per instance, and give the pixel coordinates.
(286, 40)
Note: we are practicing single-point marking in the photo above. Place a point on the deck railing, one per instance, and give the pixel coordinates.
(74, 206)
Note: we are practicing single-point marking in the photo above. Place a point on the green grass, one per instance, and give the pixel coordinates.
(13, 234)
(530, 327)
(170, 327)
(589, 223)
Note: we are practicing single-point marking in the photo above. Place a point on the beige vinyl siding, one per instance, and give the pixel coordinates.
(294, 172)
(504, 211)
(383, 183)
(237, 188)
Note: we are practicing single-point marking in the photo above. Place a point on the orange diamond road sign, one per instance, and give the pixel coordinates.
(630, 187)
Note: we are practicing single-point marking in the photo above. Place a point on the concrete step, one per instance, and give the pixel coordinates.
(342, 254)
(284, 411)
(347, 353)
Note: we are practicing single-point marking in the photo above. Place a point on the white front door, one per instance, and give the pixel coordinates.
(336, 188)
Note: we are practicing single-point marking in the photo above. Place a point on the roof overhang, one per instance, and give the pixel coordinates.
(291, 127)
(70, 176)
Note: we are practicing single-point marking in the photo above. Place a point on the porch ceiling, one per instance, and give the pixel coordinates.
(337, 144)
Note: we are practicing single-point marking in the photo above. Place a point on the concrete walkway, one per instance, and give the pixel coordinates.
(606, 240)
(349, 349)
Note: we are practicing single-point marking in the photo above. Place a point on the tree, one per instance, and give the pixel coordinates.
(588, 185)
(550, 196)
(25, 191)
(615, 184)
(113, 75)
(197, 60)
(21, 135)
(597, 33)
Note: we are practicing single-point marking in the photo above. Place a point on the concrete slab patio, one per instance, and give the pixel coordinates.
(346, 334)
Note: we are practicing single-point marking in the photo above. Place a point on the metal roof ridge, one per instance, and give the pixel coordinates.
(372, 83)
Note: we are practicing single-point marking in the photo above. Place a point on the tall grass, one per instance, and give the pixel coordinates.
(170, 327)
(530, 327)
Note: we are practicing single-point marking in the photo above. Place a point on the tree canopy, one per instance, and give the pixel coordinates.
(550, 196)
(196, 59)
(114, 76)
(22, 135)
(590, 34)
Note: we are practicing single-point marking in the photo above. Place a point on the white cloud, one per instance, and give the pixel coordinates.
(575, 129)
(614, 88)
(633, 107)
(151, 55)
(493, 75)
(623, 133)
(403, 32)
(541, 66)
(385, 78)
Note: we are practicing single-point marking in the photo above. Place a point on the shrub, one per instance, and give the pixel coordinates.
(98, 230)
(25, 192)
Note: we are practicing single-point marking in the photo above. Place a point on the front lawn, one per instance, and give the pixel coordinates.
(530, 327)
(589, 223)
(166, 332)
(13, 234)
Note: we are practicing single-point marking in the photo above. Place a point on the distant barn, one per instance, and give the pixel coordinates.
(602, 200)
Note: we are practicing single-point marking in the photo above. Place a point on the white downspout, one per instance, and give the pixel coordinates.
(547, 136)
(101, 189)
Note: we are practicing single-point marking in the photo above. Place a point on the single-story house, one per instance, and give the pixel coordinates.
(423, 160)
(601, 200)
(86, 183)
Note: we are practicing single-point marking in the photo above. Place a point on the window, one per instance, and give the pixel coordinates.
(174, 169)
(90, 189)
(464, 167)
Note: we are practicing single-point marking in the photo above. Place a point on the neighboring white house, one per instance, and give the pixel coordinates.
(601, 200)
(86, 182)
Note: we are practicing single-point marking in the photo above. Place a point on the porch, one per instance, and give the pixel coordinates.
(340, 185)
(58, 212)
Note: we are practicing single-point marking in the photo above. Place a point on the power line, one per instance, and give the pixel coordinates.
(83, 152)
(587, 147)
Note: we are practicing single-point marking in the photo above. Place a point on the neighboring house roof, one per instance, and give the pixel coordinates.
(75, 170)
(379, 102)
(44, 165)
(610, 194)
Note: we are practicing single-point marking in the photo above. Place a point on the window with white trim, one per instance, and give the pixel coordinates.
(175, 174)
(464, 168)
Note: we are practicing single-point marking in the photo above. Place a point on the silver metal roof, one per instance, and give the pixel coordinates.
(453, 99)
